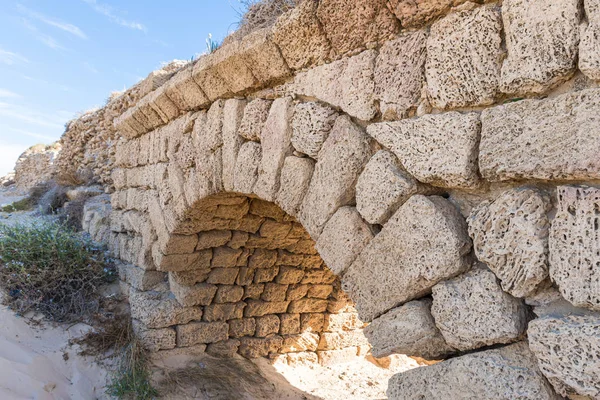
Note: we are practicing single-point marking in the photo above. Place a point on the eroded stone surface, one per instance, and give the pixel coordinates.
(408, 329)
(246, 167)
(507, 373)
(589, 44)
(423, 243)
(296, 174)
(464, 58)
(311, 125)
(541, 39)
(412, 13)
(510, 235)
(472, 311)
(255, 116)
(233, 112)
(155, 310)
(568, 353)
(383, 187)
(542, 139)
(575, 245)
(437, 149)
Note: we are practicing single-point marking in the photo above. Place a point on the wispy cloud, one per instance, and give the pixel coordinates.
(70, 28)
(109, 12)
(10, 58)
(4, 93)
(42, 37)
(29, 116)
(90, 67)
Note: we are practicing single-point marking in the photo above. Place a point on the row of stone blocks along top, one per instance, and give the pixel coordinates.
(462, 67)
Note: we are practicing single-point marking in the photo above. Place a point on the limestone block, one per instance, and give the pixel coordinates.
(333, 357)
(311, 125)
(413, 13)
(139, 278)
(265, 274)
(180, 262)
(189, 278)
(312, 322)
(210, 239)
(305, 305)
(305, 341)
(223, 312)
(322, 82)
(318, 276)
(201, 333)
(510, 372)
(542, 139)
(400, 74)
(267, 325)
(225, 257)
(128, 126)
(424, 242)
(568, 351)
(208, 140)
(341, 159)
(345, 235)
(229, 294)
(541, 39)
(258, 308)
(206, 76)
(155, 310)
(260, 347)
(233, 112)
(437, 149)
(184, 92)
(344, 321)
(263, 57)
(296, 174)
(510, 235)
(163, 105)
(242, 327)
(223, 276)
(275, 230)
(464, 58)
(262, 258)
(274, 292)
(575, 246)
(254, 119)
(200, 294)
(300, 37)
(224, 349)
(319, 291)
(290, 324)
(296, 292)
(352, 26)
(246, 167)
(229, 64)
(146, 115)
(154, 339)
(589, 44)
(276, 145)
(289, 275)
(472, 311)
(383, 187)
(340, 340)
(410, 330)
(178, 244)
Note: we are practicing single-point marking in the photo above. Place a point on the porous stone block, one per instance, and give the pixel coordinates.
(223, 276)
(290, 324)
(437, 149)
(233, 112)
(256, 308)
(229, 63)
(265, 274)
(154, 339)
(542, 139)
(189, 278)
(589, 43)
(246, 167)
(139, 278)
(322, 82)
(263, 57)
(312, 322)
(200, 294)
(184, 92)
(210, 239)
(568, 353)
(206, 76)
(163, 105)
(345, 321)
(541, 40)
(253, 121)
(242, 327)
(507, 373)
(305, 341)
(300, 37)
(410, 330)
(296, 174)
(510, 235)
(311, 125)
(383, 187)
(223, 312)
(155, 310)
(329, 358)
(296, 292)
(275, 230)
(319, 291)
(400, 74)
(413, 13)
(341, 340)
(262, 258)
(305, 305)
(276, 146)
(289, 275)
(225, 257)
(224, 349)
(201, 333)
(341, 159)
(274, 292)
(472, 311)
(178, 244)
(463, 64)
(229, 294)
(424, 242)
(353, 26)
(267, 325)
(344, 236)
(253, 291)
(575, 246)
(260, 347)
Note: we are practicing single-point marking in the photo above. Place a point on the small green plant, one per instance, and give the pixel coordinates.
(211, 45)
(21, 205)
(49, 268)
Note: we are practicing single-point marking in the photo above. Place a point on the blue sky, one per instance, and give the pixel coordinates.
(61, 57)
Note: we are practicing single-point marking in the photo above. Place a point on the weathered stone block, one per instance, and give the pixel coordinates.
(260, 347)
(263, 57)
(472, 311)
(154, 339)
(424, 242)
(311, 125)
(308, 306)
(200, 294)
(507, 373)
(229, 64)
(341, 340)
(345, 321)
(201, 333)
(189, 278)
(575, 246)
(253, 291)
(223, 312)
(409, 329)
(289, 275)
(267, 325)
(225, 257)
(341, 159)
(589, 44)
(319, 291)
(229, 294)
(180, 262)
(265, 274)
(233, 112)
(312, 322)
(541, 39)
(567, 350)
(242, 327)
(290, 324)
(255, 117)
(139, 278)
(463, 64)
(223, 276)
(260, 308)
(334, 357)
(210, 239)
(306, 341)
(155, 310)
(206, 76)
(542, 139)
(295, 179)
(296, 292)
(274, 292)
(437, 149)
(224, 349)
(246, 167)
(400, 74)
(510, 235)
(184, 92)
(413, 13)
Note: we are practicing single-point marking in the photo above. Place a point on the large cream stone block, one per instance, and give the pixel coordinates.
(589, 44)
(311, 125)
(233, 112)
(296, 174)
(156, 310)
(245, 173)
(413, 13)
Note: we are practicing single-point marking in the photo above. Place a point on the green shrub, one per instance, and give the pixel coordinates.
(21, 205)
(49, 268)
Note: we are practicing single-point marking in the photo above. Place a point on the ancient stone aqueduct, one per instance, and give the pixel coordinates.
(398, 174)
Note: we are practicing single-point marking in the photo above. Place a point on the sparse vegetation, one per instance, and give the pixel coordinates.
(258, 14)
(20, 205)
(49, 268)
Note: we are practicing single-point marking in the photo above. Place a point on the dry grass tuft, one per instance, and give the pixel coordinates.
(259, 14)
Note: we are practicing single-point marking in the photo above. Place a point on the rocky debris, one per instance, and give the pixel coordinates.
(568, 354)
(575, 245)
(507, 373)
(510, 235)
(36, 165)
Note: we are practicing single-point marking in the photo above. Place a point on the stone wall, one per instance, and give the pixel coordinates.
(443, 163)
(35, 165)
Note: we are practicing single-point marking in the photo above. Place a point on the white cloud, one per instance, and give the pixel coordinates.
(7, 93)
(46, 39)
(10, 58)
(108, 12)
(70, 28)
